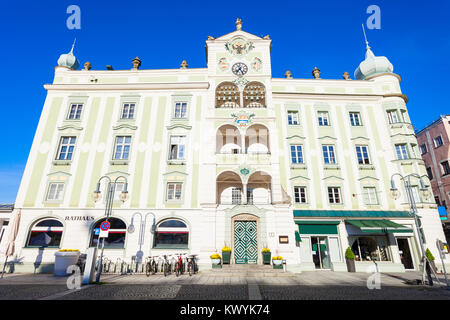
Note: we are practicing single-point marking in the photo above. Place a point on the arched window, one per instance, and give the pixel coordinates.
(254, 95)
(116, 234)
(46, 233)
(227, 95)
(171, 234)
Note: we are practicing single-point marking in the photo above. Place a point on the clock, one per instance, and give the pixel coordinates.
(239, 69)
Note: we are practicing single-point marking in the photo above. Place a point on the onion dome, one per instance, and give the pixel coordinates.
(69, 60)
(372, 66)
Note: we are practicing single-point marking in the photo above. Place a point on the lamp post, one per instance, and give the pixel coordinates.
(111, 189)
(412, 205)
(143, 223)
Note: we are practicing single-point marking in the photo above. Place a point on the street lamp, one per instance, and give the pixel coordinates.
(412, 205)
(96, 195)
(143, 223)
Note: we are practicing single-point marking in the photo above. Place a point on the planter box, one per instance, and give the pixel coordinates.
(216, 263)
(350, 265)
(277, 264)
(266, 257)
(63, 260)
(226, 257)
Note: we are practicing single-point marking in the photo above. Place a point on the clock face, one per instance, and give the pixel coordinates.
(239, 69)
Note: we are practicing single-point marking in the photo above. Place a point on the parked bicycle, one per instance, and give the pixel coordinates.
(192, 265)
(151, 266)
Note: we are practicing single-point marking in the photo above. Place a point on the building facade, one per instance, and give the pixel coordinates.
(434, 145)
(226, 155)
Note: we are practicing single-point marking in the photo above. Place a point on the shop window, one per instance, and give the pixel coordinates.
(46, 233)
(116, 235)
(370, 248)
(171, 234)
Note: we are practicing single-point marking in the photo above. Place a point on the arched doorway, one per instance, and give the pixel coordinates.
(245, 235)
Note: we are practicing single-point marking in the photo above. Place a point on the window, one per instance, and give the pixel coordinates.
(328, 154)
(55, 191)
(75, 111)
(355, 119)
(297, 154)
(430, 173)
(370, 248)
(300, 194)
(438, 202)
(177, 147)
(66, 147)
(402, 154)
(171, 234)
(370, 195)
(236, 195)
(323, 118)
(116, 234)
(423, 149)
(393, 116)
(445, 167)
(127, 111)
(249, 195)
(118, 190)
(334, 195)
(293, 117)
(180, 110)
(174, 191)
(362, 154)
(46, 233)
(122, 148)
(438, 142)
(415, 194)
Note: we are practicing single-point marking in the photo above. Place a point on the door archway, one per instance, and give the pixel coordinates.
(245, 237)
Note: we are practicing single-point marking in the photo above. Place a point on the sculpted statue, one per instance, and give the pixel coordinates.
(316, 73)
(87, 66)
(288, 74)
(136, 63)
(238, 24)
(184, 64)
(346, 76)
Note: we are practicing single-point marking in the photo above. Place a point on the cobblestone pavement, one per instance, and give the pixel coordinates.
(217, 286)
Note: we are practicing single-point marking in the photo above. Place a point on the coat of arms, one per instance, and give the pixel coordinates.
(242, 118)
(223, 64)
(239, 46)
(256, 64)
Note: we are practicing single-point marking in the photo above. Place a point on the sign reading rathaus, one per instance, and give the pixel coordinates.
(227, 156)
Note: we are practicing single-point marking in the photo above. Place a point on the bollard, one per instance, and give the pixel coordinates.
(284, 265)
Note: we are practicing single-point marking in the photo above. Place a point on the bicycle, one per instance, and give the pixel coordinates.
(181, 264)
(166, 266)
(150, 266)
(192, 266)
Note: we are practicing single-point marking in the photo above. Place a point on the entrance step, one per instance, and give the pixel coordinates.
(247, 270)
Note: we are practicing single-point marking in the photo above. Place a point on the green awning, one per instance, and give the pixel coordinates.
(352, 214)
(297, 237)
(317, 227)
(378, 226)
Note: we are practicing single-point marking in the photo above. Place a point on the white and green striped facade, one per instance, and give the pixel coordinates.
(253, 179)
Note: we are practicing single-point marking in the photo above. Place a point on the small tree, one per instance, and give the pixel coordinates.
(349, 254)
(429, 255)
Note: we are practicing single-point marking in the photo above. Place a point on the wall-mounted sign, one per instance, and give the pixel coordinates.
(78, 218)
(284, 239)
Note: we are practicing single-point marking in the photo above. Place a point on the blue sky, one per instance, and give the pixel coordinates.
(414, 35)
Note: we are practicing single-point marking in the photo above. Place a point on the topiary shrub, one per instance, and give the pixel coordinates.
(349, 254)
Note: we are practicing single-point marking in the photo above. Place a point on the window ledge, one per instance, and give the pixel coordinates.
(118, 162)
(366, 167)
(331, 166)
(298, 166)
(62, 162)
(181, 162)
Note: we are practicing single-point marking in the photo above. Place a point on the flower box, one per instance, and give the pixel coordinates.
(64, 259)
(226, 257)
(266, 257)
(216, 263)
(277, 262)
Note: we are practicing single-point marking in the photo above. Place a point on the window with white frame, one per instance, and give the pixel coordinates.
(328, 154)
(174, 190)
(300, 194)
(128, 111)
(355, 118)
(180, 110)
(122, 148)
(75, 111)
(445, 167)
(46, 233)
(438, 142)
(55, 191)
(322, 116)
(236, 195)
(66, 148)
(362, 153)
(177, 147)
(334, 195)
(370, 195)
(293, 117)
(423, 148)
(297, 154)
(393, 116)
(401, 151)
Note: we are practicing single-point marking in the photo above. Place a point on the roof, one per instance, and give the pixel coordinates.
(351, 214)
(434, 123)
(7, 207)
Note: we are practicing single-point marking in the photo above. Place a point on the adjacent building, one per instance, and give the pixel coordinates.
(226, 155)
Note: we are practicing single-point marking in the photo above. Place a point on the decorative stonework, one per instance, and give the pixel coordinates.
(346, 76)
(256, 64)
(184, 64)
(316, 73)
(239, 46)
(136, 63)
(288, 74)
(223, 64)
(238, 24)
(87, 66)
(243, 118)
(241, 83)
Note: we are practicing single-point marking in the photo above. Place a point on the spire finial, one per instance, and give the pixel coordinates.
(365, 37)
(73, 45)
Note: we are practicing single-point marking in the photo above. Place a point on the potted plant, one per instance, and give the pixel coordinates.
(266, 255)
(226, 255)
(215, 260)
(277, 262)
(350, 260)
(430, 257)
(65, 258)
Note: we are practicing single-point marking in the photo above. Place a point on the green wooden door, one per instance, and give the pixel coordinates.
(245, 242)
